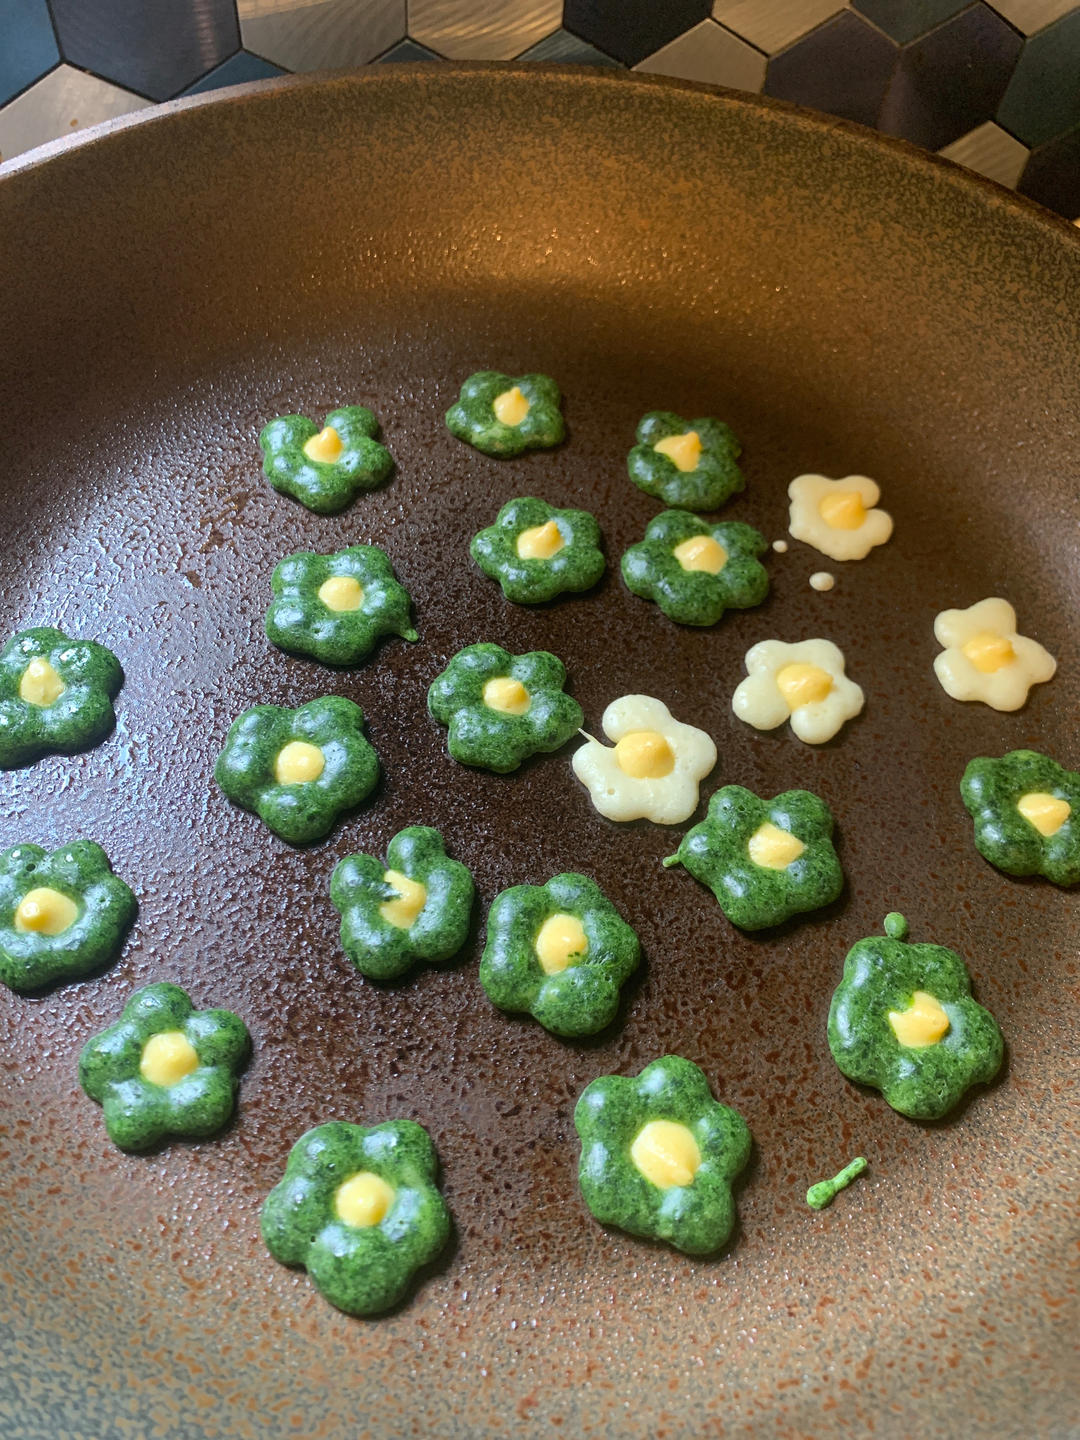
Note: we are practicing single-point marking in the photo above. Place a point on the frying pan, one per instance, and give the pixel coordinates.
(848, 305)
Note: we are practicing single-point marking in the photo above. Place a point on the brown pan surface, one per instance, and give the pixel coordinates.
(848, 306)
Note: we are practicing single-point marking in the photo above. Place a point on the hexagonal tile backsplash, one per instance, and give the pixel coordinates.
(994, 86)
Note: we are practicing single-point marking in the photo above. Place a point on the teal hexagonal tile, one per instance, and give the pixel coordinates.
(565, 49)
(27, 46)
(1043, 97)
(237, 70)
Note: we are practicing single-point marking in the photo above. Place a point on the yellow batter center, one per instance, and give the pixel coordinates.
(40, 684)
(773, 848)
(511, 406)
(46, 911)
(341, 592)
(988, 651)
(540, 542)
(506, 694)
(167, 1058)
(843, 510)
(701, 552)
(410, 900)
(666, 1153)
(560, 942)
(645, 755)
(363, 1200)
(1046, 812)
(325, 447)
(802, 684)
(298, 762)
(684, 451)
(922, 1024)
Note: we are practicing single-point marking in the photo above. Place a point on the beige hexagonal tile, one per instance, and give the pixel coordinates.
(990, 151)
(482, 29)
(320, 34)
(65, 101)
(710, 53)
(772, 25)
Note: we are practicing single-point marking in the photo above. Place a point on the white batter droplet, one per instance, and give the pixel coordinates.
(780, 546)
(822, 580)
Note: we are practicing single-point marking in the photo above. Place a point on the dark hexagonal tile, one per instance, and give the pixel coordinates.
(237, 70)
(1043, 98)
(951, 80)
(156, 47)
(1052, 175)
(27, 46)
(906, 20)
(842, 67)
(632, 29)
(566, 49)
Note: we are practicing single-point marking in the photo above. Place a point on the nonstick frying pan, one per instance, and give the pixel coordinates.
(848, 305)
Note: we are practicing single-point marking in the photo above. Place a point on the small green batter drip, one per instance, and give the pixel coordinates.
(823, 1193)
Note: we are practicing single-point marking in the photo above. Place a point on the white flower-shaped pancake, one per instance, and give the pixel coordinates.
(838, 517)
(803, 683)
(985, 659)
(653, 768)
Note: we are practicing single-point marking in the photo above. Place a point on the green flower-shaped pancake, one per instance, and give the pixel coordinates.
(358, 1208)
(536, 551)
(335, 607)
(903, 1020)
(1026, 809)
(559, 951)
(502, 708)
(55, 694)
(764, 860)
(688, 463)
(325, 469)
(504, 416)
(298, 769)
(61, 915)
(164, 1068)
(416, 906)
(695, 571)
(659, 1154)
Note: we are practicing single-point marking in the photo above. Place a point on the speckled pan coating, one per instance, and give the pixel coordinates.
(837, 297)
(106, 907)
(584, 997)
(716, 852)
(357, 888)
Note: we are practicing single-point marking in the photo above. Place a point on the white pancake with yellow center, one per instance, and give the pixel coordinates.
(804, 683)
(985, 659)
(652, 769)
(838, 517)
